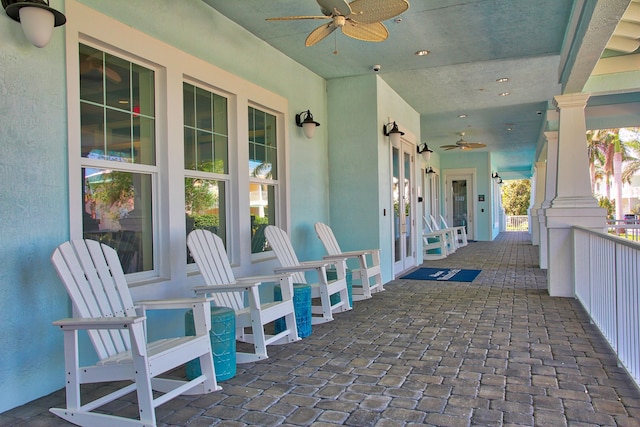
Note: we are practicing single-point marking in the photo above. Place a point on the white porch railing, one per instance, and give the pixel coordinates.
(606, 272)
(627, 228)
(517, 223)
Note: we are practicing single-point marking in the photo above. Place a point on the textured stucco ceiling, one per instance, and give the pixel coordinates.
(472, 43)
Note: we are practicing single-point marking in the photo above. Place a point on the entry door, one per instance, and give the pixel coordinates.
(460, 208)
(403, 193)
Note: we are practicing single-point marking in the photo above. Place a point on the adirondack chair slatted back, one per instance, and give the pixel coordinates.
(328, 239)
(436, 226)
(281, 245)
(93, 276)
(207, 250)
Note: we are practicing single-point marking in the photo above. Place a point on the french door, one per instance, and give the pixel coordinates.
(403, 194)
(460, 196)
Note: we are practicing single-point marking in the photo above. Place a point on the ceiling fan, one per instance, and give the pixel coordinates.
(360, 19)
(461, 144)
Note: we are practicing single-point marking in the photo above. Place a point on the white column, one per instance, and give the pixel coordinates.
(549, 191)
(537, 197)
(573, 204)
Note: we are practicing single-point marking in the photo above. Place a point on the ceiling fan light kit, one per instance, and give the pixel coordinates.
(360, 19)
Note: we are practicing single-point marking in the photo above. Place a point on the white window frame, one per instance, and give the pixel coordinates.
(172, 67)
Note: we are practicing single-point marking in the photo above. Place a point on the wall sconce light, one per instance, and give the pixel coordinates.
(307, 123)
(430, 170)
(36, 17)
(495, 176)
(394, 134)
(500, 181)
(425, 151)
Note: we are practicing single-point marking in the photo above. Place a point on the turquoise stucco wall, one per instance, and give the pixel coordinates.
(359, 162)
(33, 168)
(34, 213)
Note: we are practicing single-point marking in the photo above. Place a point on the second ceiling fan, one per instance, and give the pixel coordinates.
(360, 19)
(461, 144)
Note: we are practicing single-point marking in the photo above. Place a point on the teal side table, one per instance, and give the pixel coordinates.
(333, 275)
(223, 343)
(302, 307)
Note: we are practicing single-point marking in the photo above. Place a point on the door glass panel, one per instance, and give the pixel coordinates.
(406, 201)
(459, 202)
(396, 205)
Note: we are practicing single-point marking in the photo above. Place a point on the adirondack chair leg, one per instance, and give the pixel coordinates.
(259, 342)
(321, 291)
(144, 390)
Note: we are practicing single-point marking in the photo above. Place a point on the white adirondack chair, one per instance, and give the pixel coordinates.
(452, 239)
(207, 249)
(95, 282)
(460, 232)
(281, 244)
(368, 277)
(434, 242)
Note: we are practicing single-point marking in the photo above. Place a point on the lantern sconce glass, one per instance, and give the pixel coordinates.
(425, 151)
(36, 17)
(306, 122)
(394, 133)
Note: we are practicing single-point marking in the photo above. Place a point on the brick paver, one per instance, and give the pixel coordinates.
(497, 351)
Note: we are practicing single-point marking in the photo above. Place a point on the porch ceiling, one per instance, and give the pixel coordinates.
(536, 45)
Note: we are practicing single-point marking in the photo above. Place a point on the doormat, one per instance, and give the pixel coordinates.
(443, 274)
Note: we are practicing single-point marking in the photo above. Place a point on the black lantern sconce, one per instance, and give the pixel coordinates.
(425, 151)
(306, 122)
(394, 133)
(36, 17)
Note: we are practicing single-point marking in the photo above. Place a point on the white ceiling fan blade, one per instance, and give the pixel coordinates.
(319, 33)
(370, 11)
(375, 32)
(329, 7)
(291, 18)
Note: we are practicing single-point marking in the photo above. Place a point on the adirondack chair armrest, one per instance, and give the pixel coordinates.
(170, 304)
(305, 266)
(350, 254)
(229, 287)
(99, 322)
(261, 279)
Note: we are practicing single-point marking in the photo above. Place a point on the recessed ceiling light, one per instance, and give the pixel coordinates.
(505, 94)
(509, 129)
(502, 80)
(462, 116)
(422, 52)
(123, 101)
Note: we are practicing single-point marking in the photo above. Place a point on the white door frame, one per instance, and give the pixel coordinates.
(472, 207)
(407, 146)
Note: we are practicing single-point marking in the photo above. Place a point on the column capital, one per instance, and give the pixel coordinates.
(572, 100)
(551, 135)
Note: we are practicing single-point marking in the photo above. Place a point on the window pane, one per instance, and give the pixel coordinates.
(206, 141)
(190, 149)
(92, 130)
(118, 212)
(205, 207)
(144, 147)
(204, 113)
(262, 145)
(188, 100)
(117, 82)
(262, 207)
(117, 108)
(143, 91)
(91, 76)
